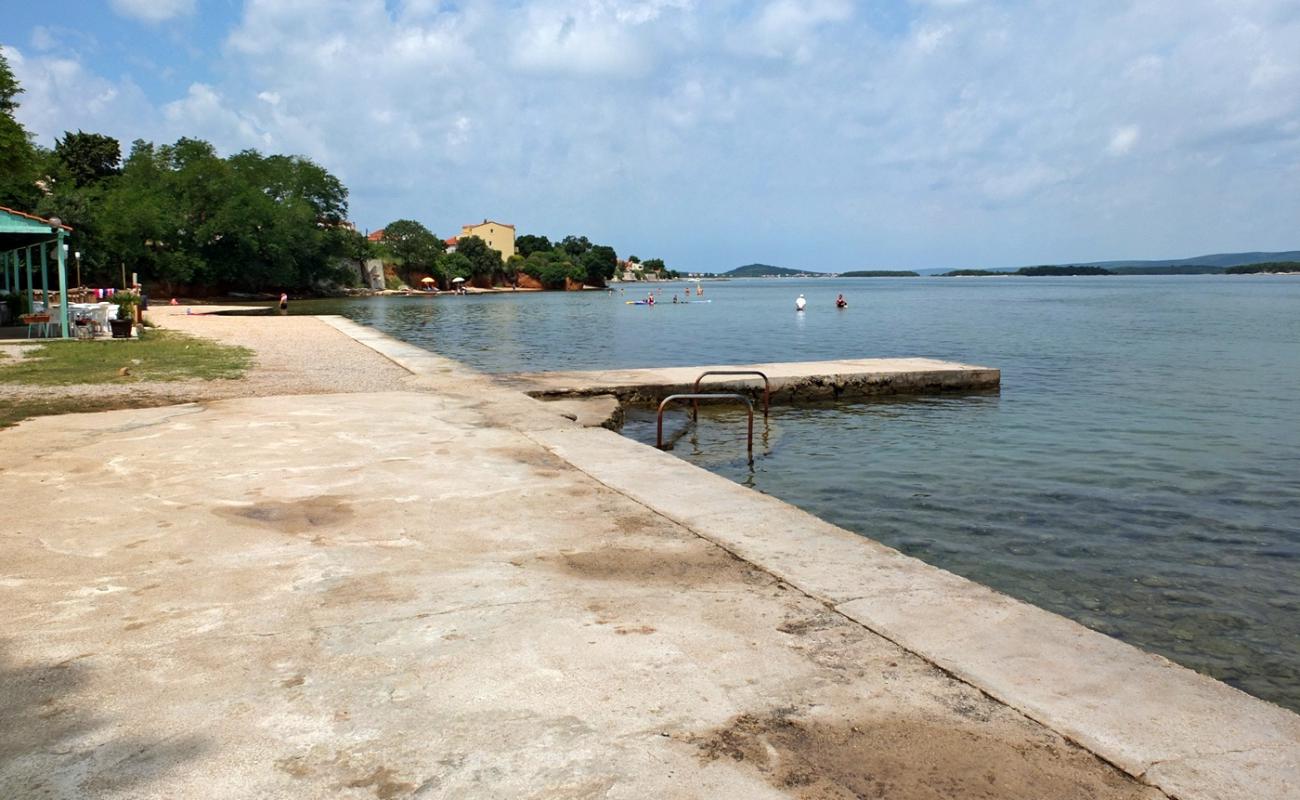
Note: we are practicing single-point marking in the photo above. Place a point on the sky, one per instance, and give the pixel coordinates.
(824, 134)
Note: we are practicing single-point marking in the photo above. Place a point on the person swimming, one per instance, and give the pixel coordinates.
(800, 303)
(840, 302)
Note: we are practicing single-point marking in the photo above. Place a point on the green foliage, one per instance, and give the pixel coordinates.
(126, 303)
(1266, 267)
(1060, 271)
(484, 261)
(528, 244)
(599, 264)
(19, 160)
(88, 157)
(414, 245)
(653, 265)
(181, 214)
(454, 265)
(880, 273)
(575, 246)
(553, 267)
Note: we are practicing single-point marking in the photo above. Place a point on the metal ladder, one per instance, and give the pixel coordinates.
(696, 396)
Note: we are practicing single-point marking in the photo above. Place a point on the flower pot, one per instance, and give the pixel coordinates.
(121, 328)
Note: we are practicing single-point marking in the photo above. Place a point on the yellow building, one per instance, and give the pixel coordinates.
(498, 235)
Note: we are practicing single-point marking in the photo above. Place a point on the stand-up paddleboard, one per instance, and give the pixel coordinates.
(637, 303)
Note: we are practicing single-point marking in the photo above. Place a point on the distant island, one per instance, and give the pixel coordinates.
(1215, 264)
(770, 271)
(1272, 267)
(880, 273)
(1268, 267)
(767, 271)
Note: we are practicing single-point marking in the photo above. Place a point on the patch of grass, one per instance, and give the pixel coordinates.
(158, 356)
(15, 411)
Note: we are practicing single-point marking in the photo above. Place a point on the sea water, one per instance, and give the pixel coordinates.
(1139, 471)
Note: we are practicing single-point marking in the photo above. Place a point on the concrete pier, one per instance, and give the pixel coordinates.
(454, 591)
(790, 381)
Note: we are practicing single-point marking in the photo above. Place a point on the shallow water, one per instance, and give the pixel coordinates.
(1138, 472)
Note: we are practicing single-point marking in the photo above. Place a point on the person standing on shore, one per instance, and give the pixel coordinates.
(284, 302)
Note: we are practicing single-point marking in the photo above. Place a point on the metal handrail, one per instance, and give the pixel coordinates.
(749, 409)
(767, 387)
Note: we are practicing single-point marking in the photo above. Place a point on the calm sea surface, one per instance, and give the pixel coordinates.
(1139, 470)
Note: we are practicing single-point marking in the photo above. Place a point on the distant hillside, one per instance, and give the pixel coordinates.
(764, 271)
(1214, 260)
(1213, 264)
(880, 273)
(1034, 272)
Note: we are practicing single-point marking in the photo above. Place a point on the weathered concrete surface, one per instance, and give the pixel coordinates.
(1192, 736)
(594, 411)
(467, 595)
(262, 598)
(809, 380)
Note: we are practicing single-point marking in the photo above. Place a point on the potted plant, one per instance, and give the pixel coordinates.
(126, 303)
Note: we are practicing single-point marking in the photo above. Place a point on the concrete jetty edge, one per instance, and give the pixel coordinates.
(806, 381)
(1186, 734)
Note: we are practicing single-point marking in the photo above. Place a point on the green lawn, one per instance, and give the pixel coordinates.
(158, 356)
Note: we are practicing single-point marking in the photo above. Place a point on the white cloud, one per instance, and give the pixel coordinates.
(1123, 139)
(788, 29)
(666, 126)
(153, 11)
(43, 38)
(928, 38)
(204, 109)
(60, 94)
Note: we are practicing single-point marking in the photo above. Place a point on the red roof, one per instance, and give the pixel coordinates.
(489, 222)
(376, 236)
(42, 220)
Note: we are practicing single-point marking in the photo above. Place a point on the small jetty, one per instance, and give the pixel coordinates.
(790, 382)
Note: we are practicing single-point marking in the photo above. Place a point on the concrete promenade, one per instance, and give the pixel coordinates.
(449, 590)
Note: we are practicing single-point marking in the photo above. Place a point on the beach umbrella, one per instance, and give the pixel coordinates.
(457, 280)
(426, 280)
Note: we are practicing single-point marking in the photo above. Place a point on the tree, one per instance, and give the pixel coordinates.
(552, 267)
(88, 157)
(485, 262)
(528, 244)
(599, 264)
(19, 160)
(575, 245)
(414, 245)
(454, 265)
(180, 214)
(653, 265)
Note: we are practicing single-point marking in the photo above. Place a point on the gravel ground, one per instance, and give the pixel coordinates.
(294, 355)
